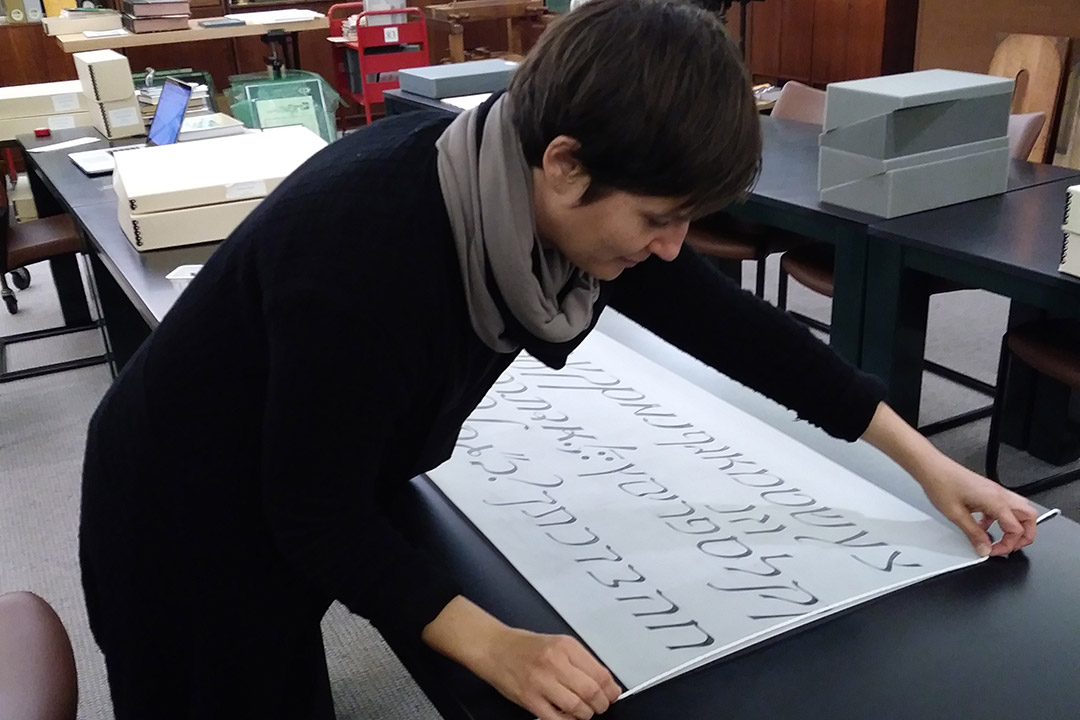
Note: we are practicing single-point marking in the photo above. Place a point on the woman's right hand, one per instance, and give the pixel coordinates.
(553, 676)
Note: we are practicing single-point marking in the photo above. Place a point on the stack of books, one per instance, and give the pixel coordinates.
(142, 16)
(198, 103)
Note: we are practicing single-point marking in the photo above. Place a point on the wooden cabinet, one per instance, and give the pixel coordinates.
(28, 56)
(823, 41)
(963, 34)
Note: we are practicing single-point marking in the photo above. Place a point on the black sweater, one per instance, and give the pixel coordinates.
(324, 356)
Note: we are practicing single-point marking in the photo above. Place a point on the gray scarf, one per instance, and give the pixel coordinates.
(488, 195)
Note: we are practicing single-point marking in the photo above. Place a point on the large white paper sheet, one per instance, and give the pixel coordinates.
(667, 527)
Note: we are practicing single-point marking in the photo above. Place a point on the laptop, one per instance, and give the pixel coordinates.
(164, 129)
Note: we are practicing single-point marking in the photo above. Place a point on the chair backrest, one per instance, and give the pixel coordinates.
(1024, 130)
(800, 102)
(37, 666)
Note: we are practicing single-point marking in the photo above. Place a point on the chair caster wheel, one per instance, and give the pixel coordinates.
(21, 278)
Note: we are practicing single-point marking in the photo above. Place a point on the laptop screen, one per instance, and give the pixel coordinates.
(172, 104)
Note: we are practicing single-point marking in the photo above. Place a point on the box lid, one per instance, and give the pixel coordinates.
(96, 56)
(65, 87)
(855, 100)
(205, 172)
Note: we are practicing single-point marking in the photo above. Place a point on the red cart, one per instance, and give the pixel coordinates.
(379, 49)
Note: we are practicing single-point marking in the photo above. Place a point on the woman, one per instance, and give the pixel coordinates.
(331, 348)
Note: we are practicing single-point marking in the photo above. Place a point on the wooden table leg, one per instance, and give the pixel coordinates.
(513, 36)
(457, 42)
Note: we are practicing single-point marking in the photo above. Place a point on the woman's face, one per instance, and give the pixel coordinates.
(605, 236)
(609, 235)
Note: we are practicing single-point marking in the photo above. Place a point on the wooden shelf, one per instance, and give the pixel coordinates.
(194, 33)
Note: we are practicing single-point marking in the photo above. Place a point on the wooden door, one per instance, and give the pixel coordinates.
(866, 39)
(831, 39)
(796, 39)
(780, 39)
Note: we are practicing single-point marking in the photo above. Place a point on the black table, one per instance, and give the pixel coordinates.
(1009, 244)
(978, 643)
(131, 287)
(47, 170)
(987, 640)
(403, 101)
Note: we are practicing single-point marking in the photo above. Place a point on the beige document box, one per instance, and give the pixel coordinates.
(105, 75)
(75, 25)
(200, 191)
(118, 119)
(55, 98)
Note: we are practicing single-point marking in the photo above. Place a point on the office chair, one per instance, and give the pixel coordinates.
(37, 666)
(812, 266)
(1051, 348)
(725, 237)
(22, 244)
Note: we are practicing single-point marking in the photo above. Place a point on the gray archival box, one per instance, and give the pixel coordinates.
(456, 79)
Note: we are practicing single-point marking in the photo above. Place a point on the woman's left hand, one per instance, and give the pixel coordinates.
(956, 491)
(959, 493)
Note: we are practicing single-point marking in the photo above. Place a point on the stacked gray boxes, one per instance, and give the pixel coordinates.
(902, 144)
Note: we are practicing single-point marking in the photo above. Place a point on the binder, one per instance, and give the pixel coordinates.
(1070, 261)
(35, 10)
(16, 11)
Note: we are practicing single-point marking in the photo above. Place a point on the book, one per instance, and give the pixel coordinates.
(54, 8)
(208, 126)
(16, 11)
(35, 10)
(1070, 262)
(156, 8)
(155, 24)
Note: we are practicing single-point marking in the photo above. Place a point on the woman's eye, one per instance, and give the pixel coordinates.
(655, 222)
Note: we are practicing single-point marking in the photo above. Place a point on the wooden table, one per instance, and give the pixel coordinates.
(194, 33)
(452, 17)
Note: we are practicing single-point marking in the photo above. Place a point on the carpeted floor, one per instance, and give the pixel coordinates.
(42, 430)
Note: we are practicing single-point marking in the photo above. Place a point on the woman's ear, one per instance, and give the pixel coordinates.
(563, 172)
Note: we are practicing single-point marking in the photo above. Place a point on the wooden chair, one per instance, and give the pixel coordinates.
(726, 238)
(812, 266)
(1052, 348)
(37, 666)
(23, 244)
(27, 243)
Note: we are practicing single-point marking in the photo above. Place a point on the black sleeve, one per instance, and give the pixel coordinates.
(693, 306)
(342, 377)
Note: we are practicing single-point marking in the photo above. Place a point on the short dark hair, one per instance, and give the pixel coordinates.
(656, 94)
